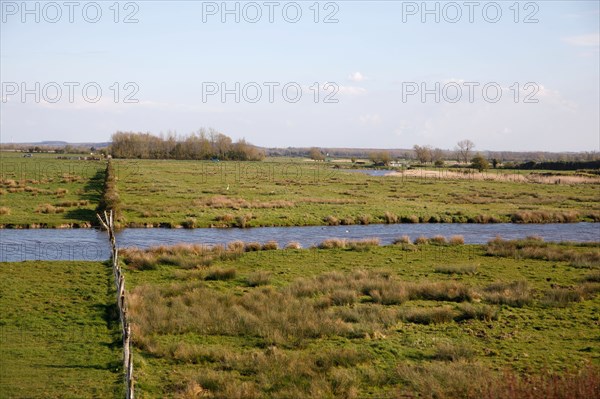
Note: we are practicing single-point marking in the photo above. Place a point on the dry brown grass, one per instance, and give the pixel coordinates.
(258, 278)
(470, 380)
(270, 246)
(222, 202)
(457, 240)
(545, 217)
(438, 239)
(4, 210)
(189, 223)
(364, 219)
(252, 246)
(331, 220)
(219, 273)
(242, 220)
(536, 248)
(421, 240)
(390, 218)
(402, 240)
(333, 243)
(185, 256)
(293, 245)
(515, 293)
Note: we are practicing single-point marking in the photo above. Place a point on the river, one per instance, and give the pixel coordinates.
(91, 244)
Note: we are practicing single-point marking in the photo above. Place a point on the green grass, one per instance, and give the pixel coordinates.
(375, 323)
(280, 193)
(58, 334)
(43, 191)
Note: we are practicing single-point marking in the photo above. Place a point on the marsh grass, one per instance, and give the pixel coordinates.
(258, 278)
(182, 255)
(456, 240)
(469, 379)
(515, 293)
(535, 248)
(459, 270)
(343, 323)
(219, 273)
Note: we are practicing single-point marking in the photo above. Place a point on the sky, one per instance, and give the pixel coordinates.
(509, 76)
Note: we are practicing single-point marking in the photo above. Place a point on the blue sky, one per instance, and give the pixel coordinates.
(373, 54)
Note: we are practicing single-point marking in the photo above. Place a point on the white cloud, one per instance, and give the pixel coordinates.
(351, 90)
(589, 40)
(370, 119)
(356, 77)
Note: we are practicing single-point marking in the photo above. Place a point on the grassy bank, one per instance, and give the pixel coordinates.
(58, 334)
(279, 193)
(44, 191)
(361, 320)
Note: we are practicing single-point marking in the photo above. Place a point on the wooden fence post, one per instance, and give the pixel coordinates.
(108, 223)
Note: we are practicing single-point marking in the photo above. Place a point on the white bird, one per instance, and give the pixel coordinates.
(227, 187)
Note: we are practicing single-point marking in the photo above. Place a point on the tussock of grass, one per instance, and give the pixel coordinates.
(293, 245)
(438, 239)
(592, 277)
(457, 240)
(390, 218)
(258, 278)
(410, 219)
(516, 293)
(270, 246)
(561, 297)
(354, 245)
(4, 210)
(364, 219)
(189, 223)
(243, 220)
(449, 269)
(545, 217)
(182, 255)
(252, 246)
(421, 240)
(364, 244)
(452, 352)
(331, 220)
(236, 246)
(402, 240)
(218, 273)
(333, 243)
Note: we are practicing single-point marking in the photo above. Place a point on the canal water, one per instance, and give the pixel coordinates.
(91, 244)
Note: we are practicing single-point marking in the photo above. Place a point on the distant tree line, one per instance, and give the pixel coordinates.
(559, 165)
(200, 145)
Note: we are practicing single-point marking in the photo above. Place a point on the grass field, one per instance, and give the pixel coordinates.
(47, 192)
(280, 193)
(503, 320)
(58, 335)
(44, 191)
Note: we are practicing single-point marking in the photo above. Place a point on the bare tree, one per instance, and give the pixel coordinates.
(437, 156)
(423, 153)
(315, 154)
(463, 149)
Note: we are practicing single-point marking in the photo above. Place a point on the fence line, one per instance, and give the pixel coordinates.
(108, 224)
